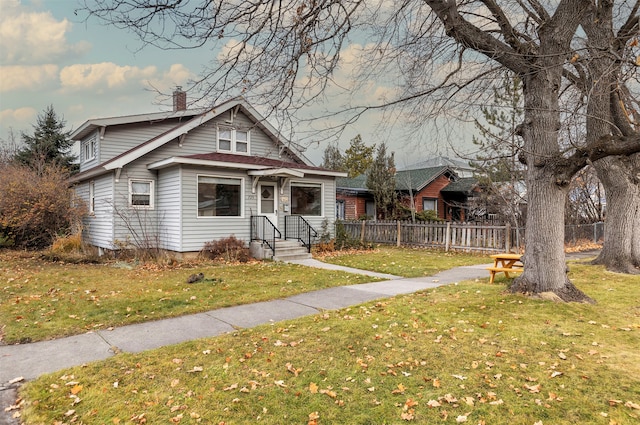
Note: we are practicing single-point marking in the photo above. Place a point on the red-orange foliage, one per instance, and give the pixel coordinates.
(35, 206)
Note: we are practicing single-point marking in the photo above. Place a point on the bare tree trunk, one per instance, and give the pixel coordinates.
(621, 249)
(545, 269)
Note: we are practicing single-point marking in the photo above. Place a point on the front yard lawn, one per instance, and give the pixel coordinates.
(465, 353)
(407, 262)
(42, 300)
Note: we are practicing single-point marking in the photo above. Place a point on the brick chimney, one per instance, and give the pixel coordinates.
(179, 99)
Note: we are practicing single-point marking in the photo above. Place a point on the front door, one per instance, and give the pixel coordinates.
(268, 205)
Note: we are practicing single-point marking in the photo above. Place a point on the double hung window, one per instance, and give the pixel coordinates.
(233, 140)
(141, 193)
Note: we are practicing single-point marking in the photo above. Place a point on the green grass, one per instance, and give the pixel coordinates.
(42, 300)
(467, 350)
(407, 262)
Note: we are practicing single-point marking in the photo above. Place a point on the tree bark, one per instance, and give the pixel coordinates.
(545, 269)
(621, 248)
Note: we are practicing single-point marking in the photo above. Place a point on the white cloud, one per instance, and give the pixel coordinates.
(28, 78)
(177, 75)
(28, 37)
(17, 118)
(104, 76)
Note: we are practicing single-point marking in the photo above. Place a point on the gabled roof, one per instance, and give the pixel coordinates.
(92, 125)
(225, 160)
(193, 119)
(462, 185)
(415, 180)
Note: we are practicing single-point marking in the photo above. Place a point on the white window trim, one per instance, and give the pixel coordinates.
(234, 141)
(427, 198)
(222, 217)
(151, 194)
(309, 184)
(91, 143)
(92, 197)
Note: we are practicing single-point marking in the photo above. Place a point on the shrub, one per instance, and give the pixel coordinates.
(36, 206)
(66, 244)
(230, 249)
(427, 215)
(345, 241)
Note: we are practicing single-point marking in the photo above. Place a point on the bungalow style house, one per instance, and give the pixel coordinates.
(176, 180)
(434, 188)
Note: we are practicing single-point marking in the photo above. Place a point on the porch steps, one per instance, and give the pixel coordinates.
(287, 250)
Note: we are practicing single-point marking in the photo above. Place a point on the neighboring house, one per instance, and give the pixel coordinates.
(434, 188)
(176, 180)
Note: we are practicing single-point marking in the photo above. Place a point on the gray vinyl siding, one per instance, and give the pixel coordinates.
(196, 231)
(328, 201)
(85, 165)
(98, 227)
(169, 204)
(135, 226)
(121, 138)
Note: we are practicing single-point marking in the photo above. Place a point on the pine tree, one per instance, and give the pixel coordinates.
(381, 181)
(498, 169)
(333, 159)
(358, 157)
(49, 144)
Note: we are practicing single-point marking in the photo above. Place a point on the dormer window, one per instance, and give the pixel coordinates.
(233, 140)
(88, 149)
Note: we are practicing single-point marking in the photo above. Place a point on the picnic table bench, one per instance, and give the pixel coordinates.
(505, 263)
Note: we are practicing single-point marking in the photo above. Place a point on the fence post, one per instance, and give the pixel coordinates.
(507, 239)
(362, 231)
(398, 238)
(447, 236)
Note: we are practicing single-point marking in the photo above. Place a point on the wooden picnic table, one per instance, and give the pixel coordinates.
(505, 263)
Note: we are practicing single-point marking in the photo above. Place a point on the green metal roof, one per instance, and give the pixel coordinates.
(408, 179)
(463, 185)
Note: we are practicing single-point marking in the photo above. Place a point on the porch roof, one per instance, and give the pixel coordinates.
(256, 165)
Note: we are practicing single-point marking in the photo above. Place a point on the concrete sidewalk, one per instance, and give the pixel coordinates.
(31, 360)
(28, 361)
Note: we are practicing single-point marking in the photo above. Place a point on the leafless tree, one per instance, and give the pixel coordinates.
(436, 57)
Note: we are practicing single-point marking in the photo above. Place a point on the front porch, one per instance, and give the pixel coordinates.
(268, 242)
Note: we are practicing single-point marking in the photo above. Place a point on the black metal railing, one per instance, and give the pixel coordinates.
(263, 230)
(296, 227)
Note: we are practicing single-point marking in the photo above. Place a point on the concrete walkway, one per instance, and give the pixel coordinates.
(31, 360)
(28, 361)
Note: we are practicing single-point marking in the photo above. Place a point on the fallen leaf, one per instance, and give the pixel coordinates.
(533, 388)
(313, 388)
(313, 418)
(280, 383)
(433, 403)
(460, 419)
(76, 389)
(632, 405)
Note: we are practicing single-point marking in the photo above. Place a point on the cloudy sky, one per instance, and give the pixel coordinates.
(49, 56)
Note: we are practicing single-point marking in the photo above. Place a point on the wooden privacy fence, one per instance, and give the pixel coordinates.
(456, 235)
(443, 235)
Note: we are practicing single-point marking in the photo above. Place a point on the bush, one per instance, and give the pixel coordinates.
(67, 244)
(230, 249)
(427, 215)
(36, 206)
(345, 241)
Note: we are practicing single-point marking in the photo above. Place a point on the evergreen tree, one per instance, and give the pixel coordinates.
(381, 181)
(358, 157)
(498, 169)
(333, 159)
(49, 144)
